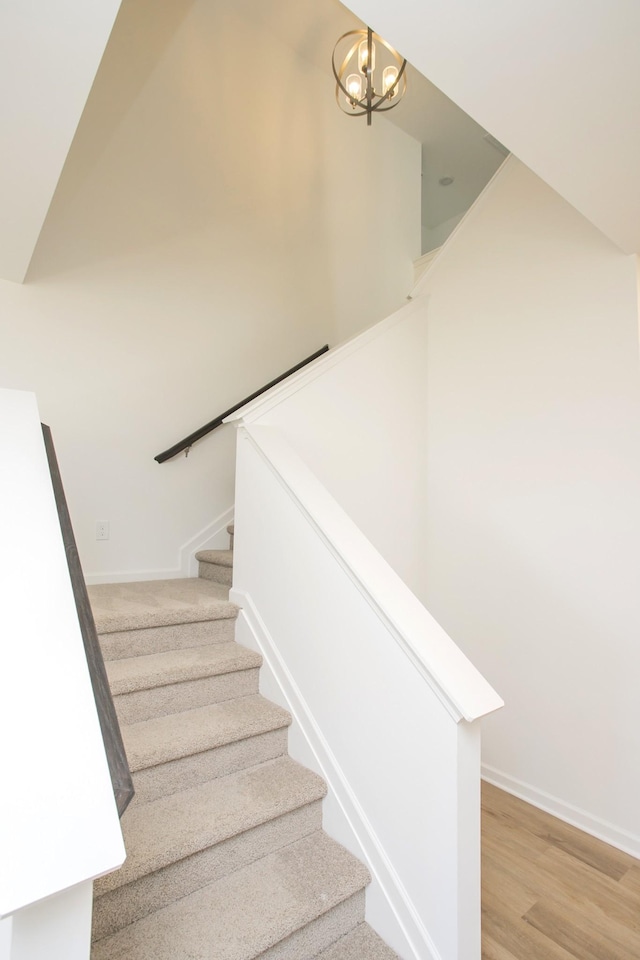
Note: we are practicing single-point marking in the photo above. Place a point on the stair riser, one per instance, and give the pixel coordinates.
(120, 907)
(361, 943)
(320, 933)
(174, 775)
(139, 643)
(215, 572)
(178, 697)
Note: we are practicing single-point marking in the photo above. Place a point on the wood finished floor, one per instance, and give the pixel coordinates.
(551, 892)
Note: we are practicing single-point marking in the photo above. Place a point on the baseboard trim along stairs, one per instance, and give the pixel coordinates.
(226, 856)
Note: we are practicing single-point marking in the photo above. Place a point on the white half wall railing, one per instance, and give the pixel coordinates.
(385, 706)
(59, 826)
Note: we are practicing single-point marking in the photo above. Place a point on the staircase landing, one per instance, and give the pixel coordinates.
(153, 603)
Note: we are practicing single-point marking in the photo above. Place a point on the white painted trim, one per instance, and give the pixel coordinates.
(416, 290)
(132, 576)
(419, 945)
(55, 928)
(212, 537)
(601, 829)
(6, 930)
(453, 678)
(423, 263)
(264, 403)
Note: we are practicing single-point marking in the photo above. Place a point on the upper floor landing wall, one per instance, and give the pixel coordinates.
(557, 82)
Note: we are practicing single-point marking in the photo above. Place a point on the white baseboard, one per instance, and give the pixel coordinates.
(389, 909)
(130, 576)
(601, 829)
(212, 537)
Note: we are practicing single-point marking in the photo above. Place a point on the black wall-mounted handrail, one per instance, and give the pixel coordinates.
(116, 757)
(208, 427)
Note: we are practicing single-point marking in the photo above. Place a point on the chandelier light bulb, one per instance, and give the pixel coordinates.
(363, 56)
(354, 88)
(389, 77)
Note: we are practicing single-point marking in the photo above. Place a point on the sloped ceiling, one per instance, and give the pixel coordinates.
(49, 54)
(556, 81)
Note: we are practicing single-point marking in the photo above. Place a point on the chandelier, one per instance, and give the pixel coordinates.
(362, 85)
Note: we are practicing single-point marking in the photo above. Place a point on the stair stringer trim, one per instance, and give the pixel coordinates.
(212, 537)
(389, 910)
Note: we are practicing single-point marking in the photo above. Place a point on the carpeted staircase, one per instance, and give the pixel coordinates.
(226, 857)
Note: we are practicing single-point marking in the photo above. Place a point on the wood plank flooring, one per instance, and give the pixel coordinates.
(551, 892)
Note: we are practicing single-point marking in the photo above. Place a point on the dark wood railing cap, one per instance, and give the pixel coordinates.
(186, 444)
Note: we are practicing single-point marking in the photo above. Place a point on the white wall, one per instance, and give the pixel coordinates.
(638, 271)
(557, 82)
(503, 484)
(202, 240)
(58, 928)
(433, 237)
(49, 54)
(532, 508)
(360, 424)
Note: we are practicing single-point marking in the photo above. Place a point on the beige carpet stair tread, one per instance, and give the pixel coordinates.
(224, 558)
(175, 666)
(247, 912)
(158, 603)
(162, 739)
(363, 943)
(176, 636)
(169, 829)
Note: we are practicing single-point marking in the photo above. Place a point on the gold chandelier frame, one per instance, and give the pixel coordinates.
(371, 101)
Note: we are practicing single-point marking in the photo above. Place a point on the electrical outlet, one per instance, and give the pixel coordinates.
(102, 530)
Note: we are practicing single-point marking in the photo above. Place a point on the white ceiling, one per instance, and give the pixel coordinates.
(557, 81)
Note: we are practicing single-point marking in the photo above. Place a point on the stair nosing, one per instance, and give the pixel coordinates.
(118, 608)
(275, 719)
(219, 558)
(122, 623)
(204, 834)
(128, 675)
(321, 855)
(363, 936)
